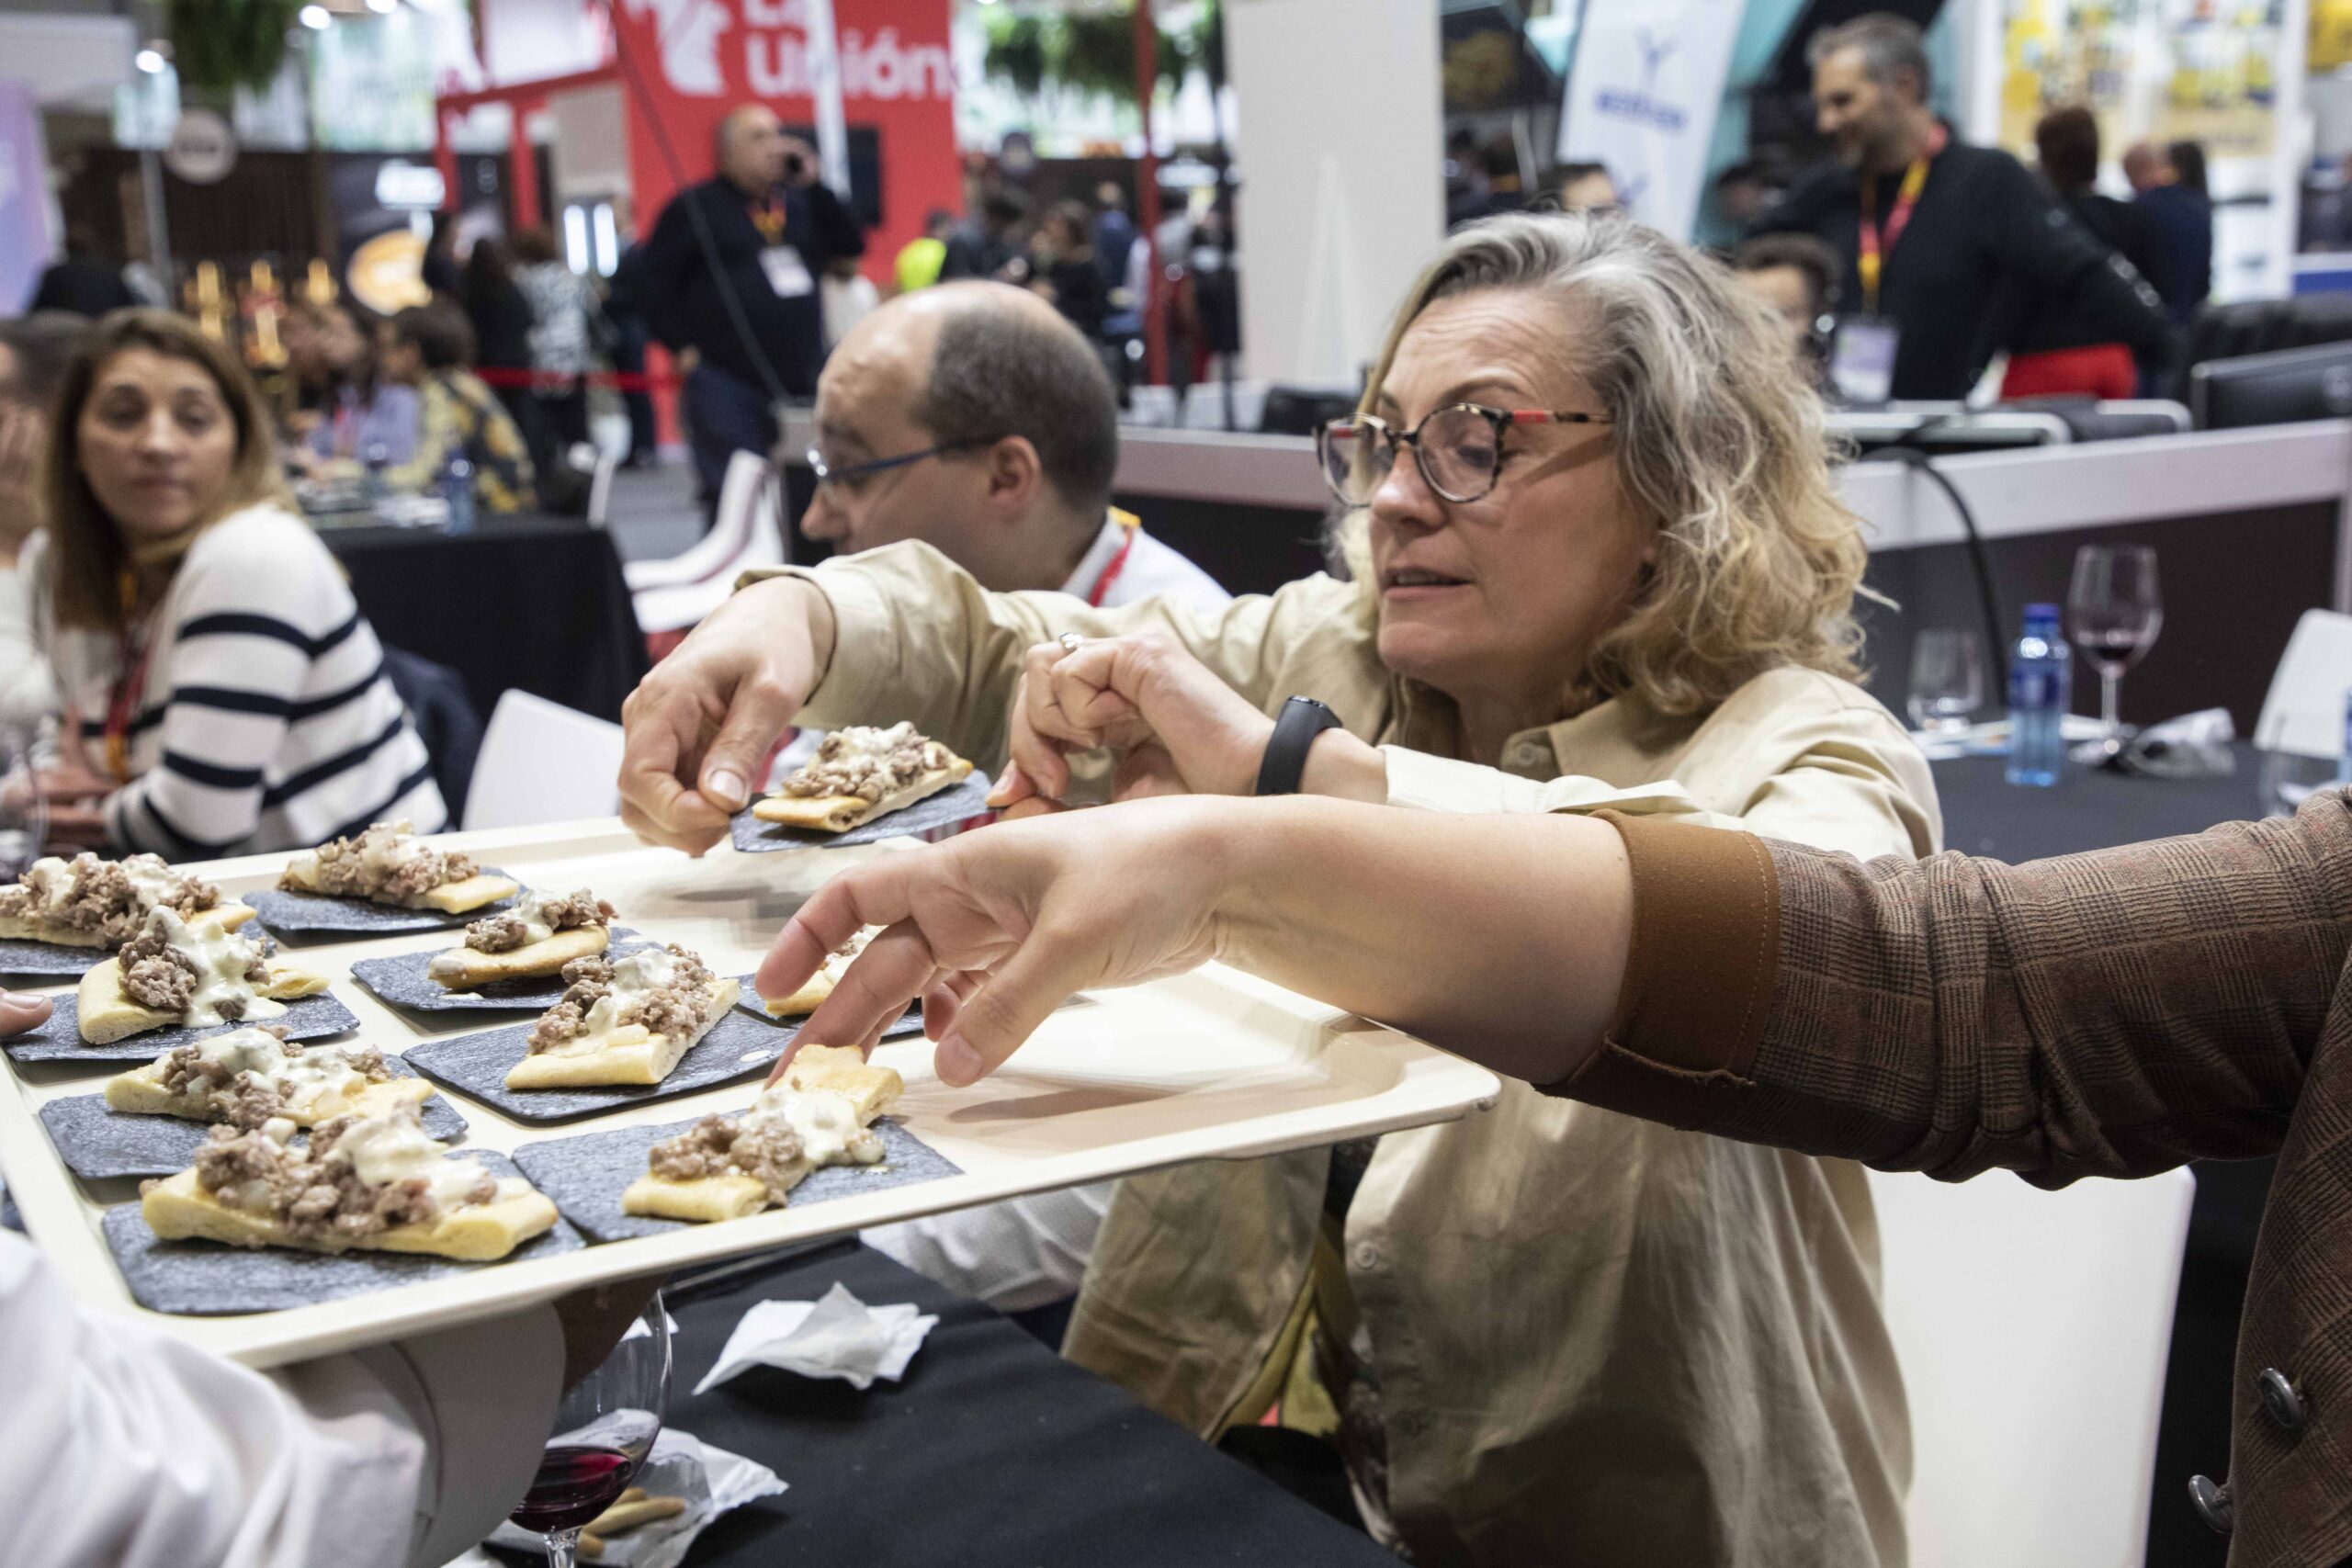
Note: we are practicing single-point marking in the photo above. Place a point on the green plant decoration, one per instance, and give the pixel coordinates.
(1087, 51)
(1016, 54)
(221, 45)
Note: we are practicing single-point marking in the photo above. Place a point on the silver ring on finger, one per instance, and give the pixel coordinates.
(1071, 642)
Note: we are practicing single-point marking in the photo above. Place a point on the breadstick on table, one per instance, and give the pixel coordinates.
(624, 1516)
(589, 1546)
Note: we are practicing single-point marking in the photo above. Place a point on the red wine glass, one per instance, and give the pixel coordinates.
(2113, 612)
(604, 1429)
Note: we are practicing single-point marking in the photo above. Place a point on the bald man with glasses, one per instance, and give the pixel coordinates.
(972, 417)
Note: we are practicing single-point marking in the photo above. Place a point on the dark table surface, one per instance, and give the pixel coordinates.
(1985, 814)
(2094, 809)
(536, 602)
(992, 1451)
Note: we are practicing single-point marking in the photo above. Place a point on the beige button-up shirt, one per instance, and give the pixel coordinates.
(1597, 1340)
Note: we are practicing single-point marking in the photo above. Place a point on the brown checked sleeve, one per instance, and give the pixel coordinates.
(2106, 1014)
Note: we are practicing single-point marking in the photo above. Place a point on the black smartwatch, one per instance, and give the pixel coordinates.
(1295, 728)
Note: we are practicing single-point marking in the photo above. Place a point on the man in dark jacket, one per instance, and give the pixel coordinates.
(1947, 246)
(752, 323)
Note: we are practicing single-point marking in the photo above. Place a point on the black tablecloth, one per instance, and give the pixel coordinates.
(992, 1451)
(1985, 814)
(531, 601)
(2094, 809)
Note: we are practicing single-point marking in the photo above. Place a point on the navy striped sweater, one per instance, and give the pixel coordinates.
(267, 721)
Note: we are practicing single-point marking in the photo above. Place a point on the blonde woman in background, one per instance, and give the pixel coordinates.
(1600, 561)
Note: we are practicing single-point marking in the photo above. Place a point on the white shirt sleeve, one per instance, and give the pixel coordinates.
(127, 1446)
(1013, 1255)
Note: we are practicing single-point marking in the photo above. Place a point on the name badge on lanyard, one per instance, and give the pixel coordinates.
(787, 274)
(1861, 360)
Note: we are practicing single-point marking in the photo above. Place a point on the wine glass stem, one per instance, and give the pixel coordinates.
(563, 1547)
(2110, 692)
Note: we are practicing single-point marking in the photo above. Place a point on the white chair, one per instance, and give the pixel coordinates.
(731, 530)
(759, 535)
(600, 490)
(541, 762)
(2303, 713)
(2032, 1328)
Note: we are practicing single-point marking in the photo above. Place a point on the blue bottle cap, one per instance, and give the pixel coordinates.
(2041, 617)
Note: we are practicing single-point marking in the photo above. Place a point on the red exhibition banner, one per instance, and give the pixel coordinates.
(691, 61)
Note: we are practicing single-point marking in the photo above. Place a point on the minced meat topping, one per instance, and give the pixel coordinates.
(158, 976)
(315, 1192)
(107, 899)
(504, 933)
(678, 1003)
(246, 1099)
(869, 764)
(767, 1151)
(386, 864)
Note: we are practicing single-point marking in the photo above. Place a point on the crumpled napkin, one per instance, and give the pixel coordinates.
(712, 1481)
(837, 1336)
(2194, 746)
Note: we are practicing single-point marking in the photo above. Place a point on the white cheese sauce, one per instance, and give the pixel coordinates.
(322, 1074)
(825, 1122)
(222, 957)
(386, 1149)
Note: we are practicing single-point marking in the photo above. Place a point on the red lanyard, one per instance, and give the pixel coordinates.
(130, 685)
(1875, 245)
(1118, 563)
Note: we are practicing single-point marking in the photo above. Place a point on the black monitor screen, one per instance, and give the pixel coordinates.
(2291, 385)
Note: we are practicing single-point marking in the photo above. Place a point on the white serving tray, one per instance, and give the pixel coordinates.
(1212, 1065)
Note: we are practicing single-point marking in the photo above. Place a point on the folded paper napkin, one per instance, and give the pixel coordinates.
(839, 1336)
(2196, 745)
(712, 1481)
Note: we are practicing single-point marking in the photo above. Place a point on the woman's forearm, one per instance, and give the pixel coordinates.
(1501, 938)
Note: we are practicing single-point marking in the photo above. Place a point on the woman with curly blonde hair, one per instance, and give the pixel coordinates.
(1598, 563)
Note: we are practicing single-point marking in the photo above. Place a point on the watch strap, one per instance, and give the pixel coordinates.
(1295, 728)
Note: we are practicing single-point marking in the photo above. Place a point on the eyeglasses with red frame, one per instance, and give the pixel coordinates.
(1459, 448)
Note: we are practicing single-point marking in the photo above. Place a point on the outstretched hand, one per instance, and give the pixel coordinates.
(996, 929)
(700, 727)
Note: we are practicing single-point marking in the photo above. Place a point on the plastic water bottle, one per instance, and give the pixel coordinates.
(458, 489)
(2041, 679)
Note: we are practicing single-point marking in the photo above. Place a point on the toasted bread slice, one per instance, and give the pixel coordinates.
(103, 1014)
(840, 813)
(704, 1201)
(176, 1208)
(228, 916)
(629, 1055)
(463, 969)
(449, 899)
(141, 1092)
(872, 1091)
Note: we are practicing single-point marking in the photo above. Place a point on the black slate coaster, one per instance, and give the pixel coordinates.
(945, 809)
(741, 1045)
(403, 981)
(19, 955)
(317, 914)
(97, 1144)
(587, 1175)
(305, 1017)
(205, 1279)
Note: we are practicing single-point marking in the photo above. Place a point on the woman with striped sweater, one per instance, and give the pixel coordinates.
(226, 695)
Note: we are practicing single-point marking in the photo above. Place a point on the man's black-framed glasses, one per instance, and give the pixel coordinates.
(1459, 449)
(856, 474)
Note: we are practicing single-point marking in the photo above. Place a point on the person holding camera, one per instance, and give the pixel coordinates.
(769, 228)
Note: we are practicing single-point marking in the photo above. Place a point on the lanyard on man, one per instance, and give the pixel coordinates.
(1875, 245)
